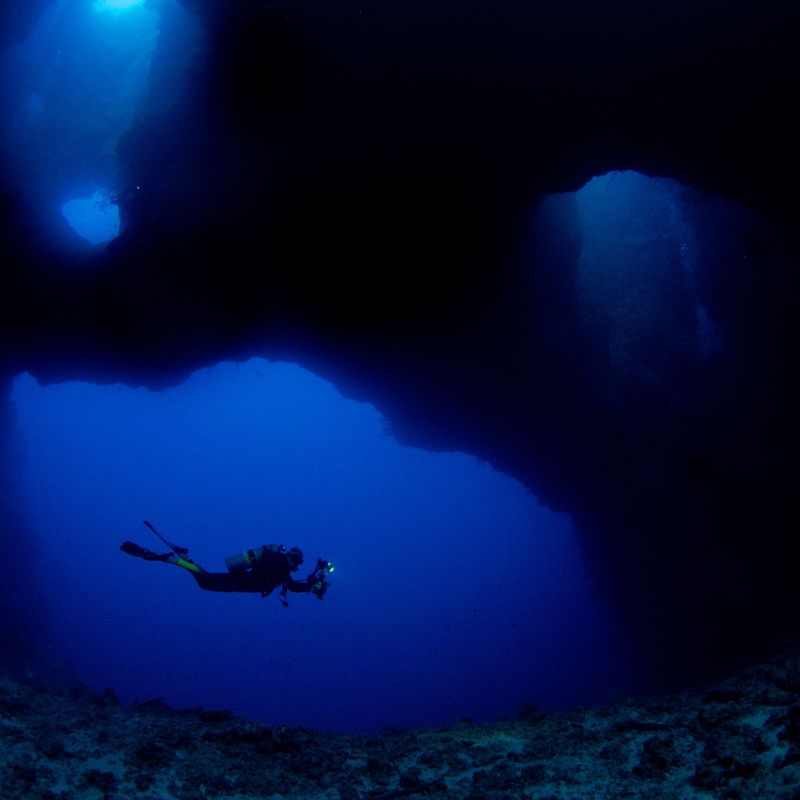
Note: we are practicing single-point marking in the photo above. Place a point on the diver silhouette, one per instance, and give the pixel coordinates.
(260, 570)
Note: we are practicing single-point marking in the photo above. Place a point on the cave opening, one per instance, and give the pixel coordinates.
(116, 7)
(73, 88)
(448, 573)
(95, 218)
(643, 251)
(368, 195)
(427, 607)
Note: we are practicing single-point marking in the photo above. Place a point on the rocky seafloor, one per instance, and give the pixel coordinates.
(737, 739)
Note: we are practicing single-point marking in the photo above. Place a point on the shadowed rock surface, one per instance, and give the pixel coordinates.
(736, 739)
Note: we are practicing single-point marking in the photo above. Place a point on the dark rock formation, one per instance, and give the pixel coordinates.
(23, 613)
(738, 739)
(352, 188)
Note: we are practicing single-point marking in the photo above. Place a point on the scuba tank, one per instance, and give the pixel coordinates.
(247, 560)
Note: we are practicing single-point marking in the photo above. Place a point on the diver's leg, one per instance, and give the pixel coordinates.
(214, 581)
(186, 563)
(210, 581)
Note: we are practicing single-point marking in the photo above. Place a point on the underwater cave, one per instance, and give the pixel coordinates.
(416, 622)
(520, 241)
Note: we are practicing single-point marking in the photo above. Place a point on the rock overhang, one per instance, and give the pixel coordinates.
(359, 210)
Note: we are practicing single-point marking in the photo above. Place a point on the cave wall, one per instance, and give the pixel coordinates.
(23, 612)
(353, 188)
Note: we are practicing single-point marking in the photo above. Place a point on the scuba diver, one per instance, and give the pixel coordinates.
(260, 570)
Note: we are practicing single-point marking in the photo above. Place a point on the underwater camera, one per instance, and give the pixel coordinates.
(319, 578)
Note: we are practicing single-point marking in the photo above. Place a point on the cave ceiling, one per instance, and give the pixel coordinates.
(352, 186)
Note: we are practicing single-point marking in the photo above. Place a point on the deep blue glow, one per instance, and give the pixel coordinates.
(72, 89)
(95, 218)
(632, 227)
(116, 7)
(455, 593)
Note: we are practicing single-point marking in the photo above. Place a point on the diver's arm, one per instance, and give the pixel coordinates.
(314, 584)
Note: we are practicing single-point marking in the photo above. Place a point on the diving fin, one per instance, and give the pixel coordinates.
(182, 552)
(133, 549)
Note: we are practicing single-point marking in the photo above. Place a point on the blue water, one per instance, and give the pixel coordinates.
(95, 218)
(455, 593)
(116, 7)
(69, 93)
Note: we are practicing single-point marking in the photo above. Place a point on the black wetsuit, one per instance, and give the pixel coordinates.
(271, 570)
